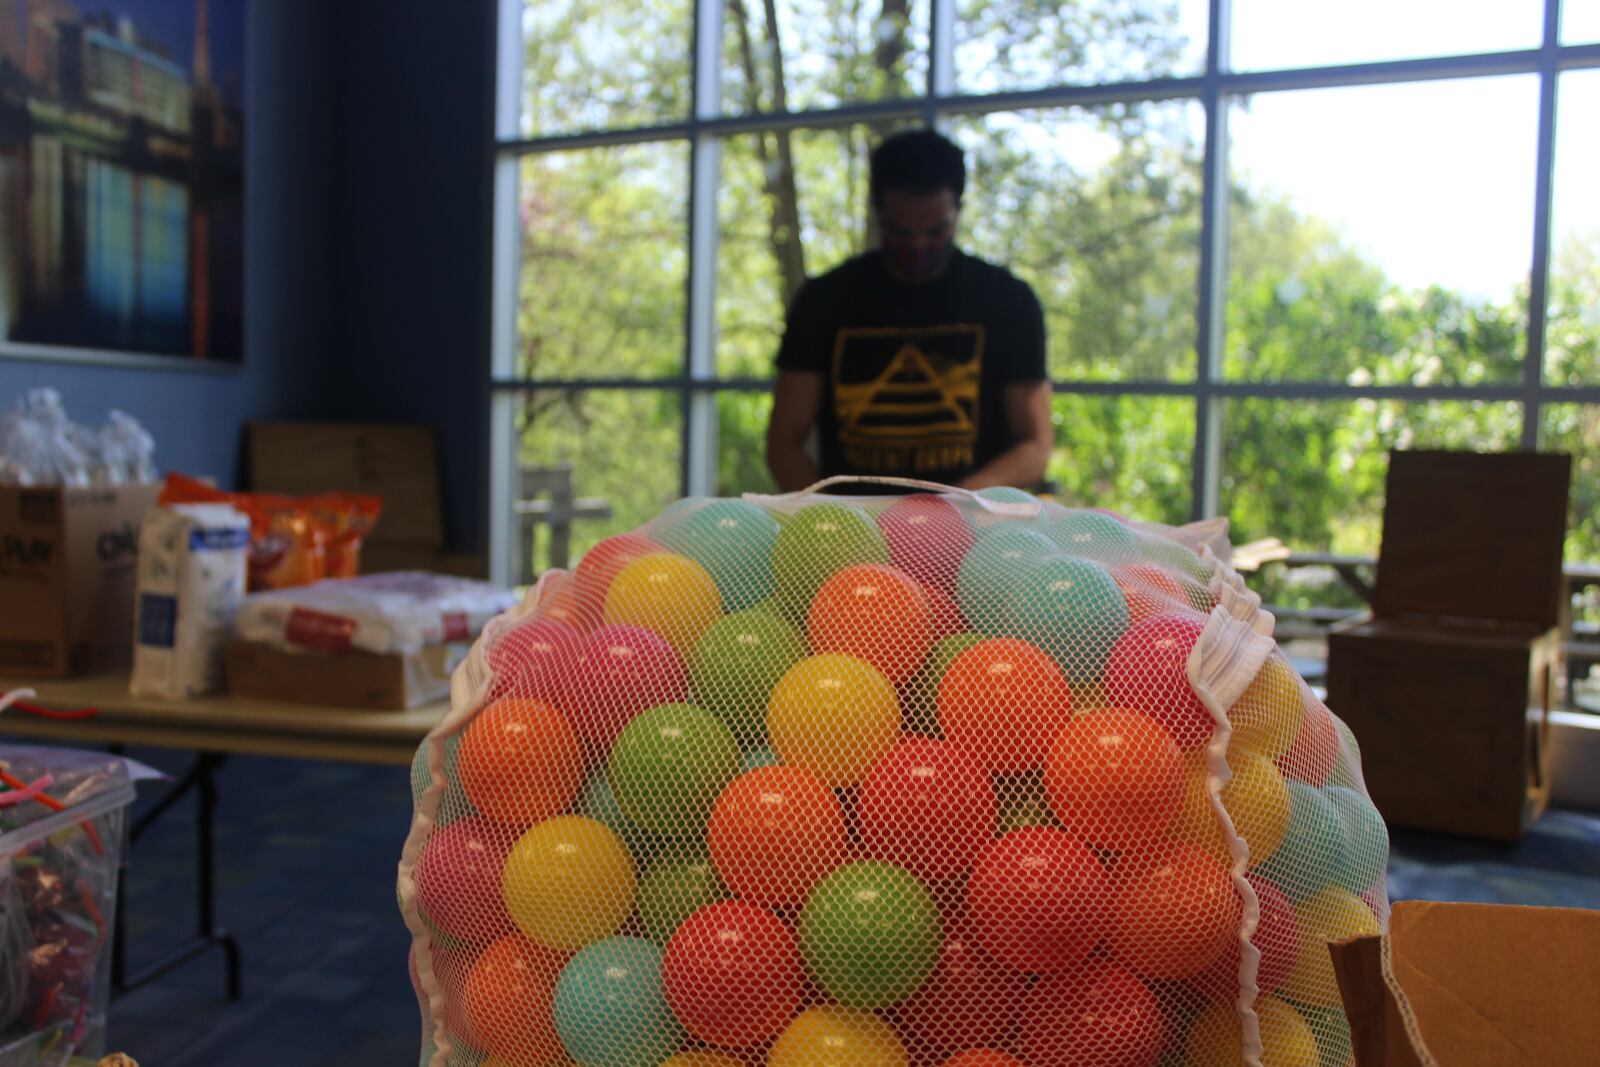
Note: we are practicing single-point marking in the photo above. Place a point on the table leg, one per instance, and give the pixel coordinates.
(201, 778)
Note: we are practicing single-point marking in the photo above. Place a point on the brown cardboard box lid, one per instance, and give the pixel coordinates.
(1473, 535)
(396, 461)
(1475, 985)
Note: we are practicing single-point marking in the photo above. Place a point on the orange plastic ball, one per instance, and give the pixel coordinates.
(1005, 701)
(774, 833)
(520, 761)
(510, 996)
(1178, 912)
(875, 613)
(1115, 778)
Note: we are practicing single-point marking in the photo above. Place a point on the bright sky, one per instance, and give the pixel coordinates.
(1435, 179)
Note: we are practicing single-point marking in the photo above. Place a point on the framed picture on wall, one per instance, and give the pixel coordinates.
(122, 180)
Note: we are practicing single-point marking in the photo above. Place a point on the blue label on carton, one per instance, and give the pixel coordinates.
(218, 539)
(158, 619)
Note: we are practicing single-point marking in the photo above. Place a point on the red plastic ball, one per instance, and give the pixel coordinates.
(1277, 938)
(733, 974)
(620, 671)
(1005, 701)
(510, 995)
(1152, 590)
(1115, 778)
(1038, 900)
(774, 833)
(875, 613)
(1148, 671)
(458, 879)
(520, 761)
(1177, 912)
(530, 659)
(969, 1001)
(605, 560)
(983, 1057)
(928, 806)
(928, 537)
(1096, 1016)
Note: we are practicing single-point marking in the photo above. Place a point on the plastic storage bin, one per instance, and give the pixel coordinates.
(58, 889)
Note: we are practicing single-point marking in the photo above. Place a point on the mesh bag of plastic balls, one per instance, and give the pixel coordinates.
(868, 781)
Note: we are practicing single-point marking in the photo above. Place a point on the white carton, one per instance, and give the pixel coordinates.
(191, 581)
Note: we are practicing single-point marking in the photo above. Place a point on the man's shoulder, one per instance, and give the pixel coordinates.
(995, 278)
(853, 271)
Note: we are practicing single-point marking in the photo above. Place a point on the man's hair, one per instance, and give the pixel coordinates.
(917, 161)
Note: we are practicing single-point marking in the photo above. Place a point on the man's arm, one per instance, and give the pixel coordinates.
(795, 401)
(1028, 417)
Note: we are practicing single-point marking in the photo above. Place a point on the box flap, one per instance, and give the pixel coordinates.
(1474, 535)
(1475, 985)
(398, 462)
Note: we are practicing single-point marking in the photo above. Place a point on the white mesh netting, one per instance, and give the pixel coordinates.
(943, 779)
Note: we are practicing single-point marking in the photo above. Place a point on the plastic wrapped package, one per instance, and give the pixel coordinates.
(944, 779)
(62, 830)
(400, 611)
(40, 445)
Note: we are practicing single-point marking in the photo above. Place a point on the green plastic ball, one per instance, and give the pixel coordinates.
(818, 541)
(870, 933)
(1366, 839)
(1071, 608)
(600, 803)
(737, 662)
(990, 568)
(732, 540)
(1090, 535)
(1311, 856)
(669, 765)
(678, 883)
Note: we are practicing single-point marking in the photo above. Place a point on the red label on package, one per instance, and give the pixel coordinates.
(319, 631)
(455, 626)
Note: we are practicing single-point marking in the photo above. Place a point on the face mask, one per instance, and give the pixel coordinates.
(917, 265)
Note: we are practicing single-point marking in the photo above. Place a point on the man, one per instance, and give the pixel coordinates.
(915, 360)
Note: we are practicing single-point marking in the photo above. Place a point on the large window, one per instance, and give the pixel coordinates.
(1264, 257)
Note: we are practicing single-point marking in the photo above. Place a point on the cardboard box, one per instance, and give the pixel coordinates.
(1448, 684)
(66, 578)
(387, 682)
(1474, 985)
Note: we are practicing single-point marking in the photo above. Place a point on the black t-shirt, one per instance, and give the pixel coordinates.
(914, 375)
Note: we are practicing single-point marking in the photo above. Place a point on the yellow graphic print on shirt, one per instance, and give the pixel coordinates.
(907, 400)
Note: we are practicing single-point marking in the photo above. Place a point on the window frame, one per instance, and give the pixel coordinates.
(697, 383)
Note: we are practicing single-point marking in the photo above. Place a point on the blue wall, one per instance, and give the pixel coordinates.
(196, 417)
(366, 251)
(415, 83)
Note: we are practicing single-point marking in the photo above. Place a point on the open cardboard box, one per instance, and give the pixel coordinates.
(1475, 985)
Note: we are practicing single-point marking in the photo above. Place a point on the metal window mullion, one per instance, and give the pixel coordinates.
(505, 243)
(1207, 456)
(1543, 191)
(941, 56)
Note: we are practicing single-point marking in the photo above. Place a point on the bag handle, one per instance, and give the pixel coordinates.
(1017, 509)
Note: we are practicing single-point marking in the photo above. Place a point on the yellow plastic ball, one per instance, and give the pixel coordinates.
(1332, 915)
(668, 593)
(1266, 717)
(568, 881)
(1256, 797)
(837, 1037)
(834, 715)
(1286, 1041)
